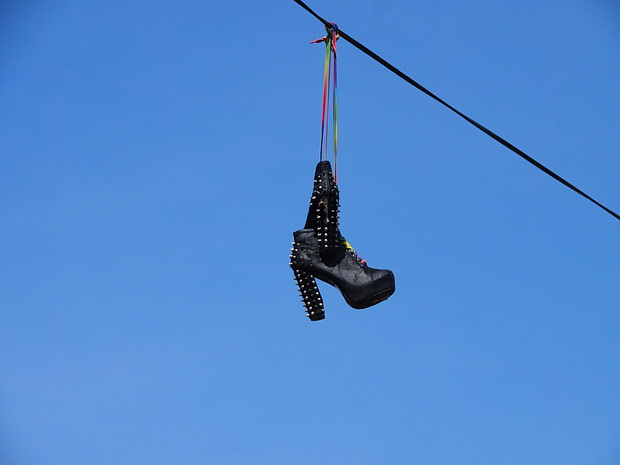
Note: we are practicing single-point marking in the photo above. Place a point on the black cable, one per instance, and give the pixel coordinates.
(488, 132)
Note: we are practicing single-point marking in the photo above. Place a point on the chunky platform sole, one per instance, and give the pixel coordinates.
(363, 303)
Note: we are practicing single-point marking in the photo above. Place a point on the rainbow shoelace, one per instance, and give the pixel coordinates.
(352, 251)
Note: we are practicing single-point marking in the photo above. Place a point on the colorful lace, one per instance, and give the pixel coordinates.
(352, 251)
(330, 82)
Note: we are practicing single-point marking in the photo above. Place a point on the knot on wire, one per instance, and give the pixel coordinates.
(332, 33)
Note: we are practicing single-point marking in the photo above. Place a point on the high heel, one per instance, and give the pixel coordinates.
(310, 295)
(360, 285)
(323, 214)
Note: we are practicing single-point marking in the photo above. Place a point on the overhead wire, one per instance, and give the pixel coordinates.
(482, 128)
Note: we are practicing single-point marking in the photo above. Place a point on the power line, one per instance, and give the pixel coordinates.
(487, 131)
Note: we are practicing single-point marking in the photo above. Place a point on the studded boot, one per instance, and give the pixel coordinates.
(360, 285)
(324, 209)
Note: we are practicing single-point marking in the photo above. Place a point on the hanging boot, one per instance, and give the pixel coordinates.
(324, 209)
(360, 285)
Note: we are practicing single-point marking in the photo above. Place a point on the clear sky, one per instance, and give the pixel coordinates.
(155, 158)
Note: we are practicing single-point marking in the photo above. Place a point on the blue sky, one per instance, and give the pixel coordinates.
(155, 158)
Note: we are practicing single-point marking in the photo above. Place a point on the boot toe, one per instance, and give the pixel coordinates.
(382, 286)
(383, 280)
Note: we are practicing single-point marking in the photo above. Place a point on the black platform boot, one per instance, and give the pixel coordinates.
(360, 285)
(324, 208)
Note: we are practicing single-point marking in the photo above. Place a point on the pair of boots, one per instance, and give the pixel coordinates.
(320, 251)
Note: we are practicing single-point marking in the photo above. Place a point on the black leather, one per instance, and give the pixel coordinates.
(319, 251)
(360, 285)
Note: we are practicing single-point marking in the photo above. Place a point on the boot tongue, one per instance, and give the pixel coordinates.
(322, 166)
